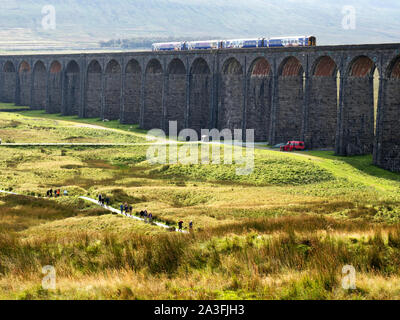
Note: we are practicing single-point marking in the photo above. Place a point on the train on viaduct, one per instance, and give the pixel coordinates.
(323, 95)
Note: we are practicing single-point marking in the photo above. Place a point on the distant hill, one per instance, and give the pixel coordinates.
(84, 23)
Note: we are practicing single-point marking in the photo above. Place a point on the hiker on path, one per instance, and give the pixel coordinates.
(122, 208)
(180, 225)
(100, 197)
(145, 215)
(107, 201)
(126, 208)
(191, 226)
(65, 193)
(103, 201)
(150, 217)
(51, 192)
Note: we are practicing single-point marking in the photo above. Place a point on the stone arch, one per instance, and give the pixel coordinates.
(24, 84)
(259, 98)
(389, 133)
(176, 66)
(39, 86)
(153, 107)
(94, 90)
(358, 114)
(176, 94)
(8, 82)
(54, 87)
(321, 115)
(132, 92)
(289, 109)
(200, 95)
(72, 89)
(112, 94)
(230, 112)
(290, 67)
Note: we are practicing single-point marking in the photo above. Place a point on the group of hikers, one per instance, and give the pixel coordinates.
(56, 193)
(146, 216)
(103, 200)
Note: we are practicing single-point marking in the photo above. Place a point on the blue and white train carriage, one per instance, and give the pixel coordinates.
(295, 41)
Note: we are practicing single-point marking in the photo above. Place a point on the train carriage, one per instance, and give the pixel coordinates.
(294, 41)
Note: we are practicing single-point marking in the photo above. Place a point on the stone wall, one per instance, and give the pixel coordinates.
(322, 112)
(289, 110)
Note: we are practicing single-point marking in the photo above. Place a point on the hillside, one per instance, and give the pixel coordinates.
(283, 232)
(82, 24)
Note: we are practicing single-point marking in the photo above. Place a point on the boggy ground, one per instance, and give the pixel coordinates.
(283, 232)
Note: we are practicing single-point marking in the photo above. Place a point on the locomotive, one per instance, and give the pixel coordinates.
(297, 41)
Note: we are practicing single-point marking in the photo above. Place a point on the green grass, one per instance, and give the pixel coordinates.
(282, 232)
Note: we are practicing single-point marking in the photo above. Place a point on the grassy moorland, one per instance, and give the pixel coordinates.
(283, 232)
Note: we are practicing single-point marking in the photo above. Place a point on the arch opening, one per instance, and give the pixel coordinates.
(359, 107)
(154, 67)
(55, 67)
(388, 153)
(259, 99)
(8, 83)
(153, 104)
(289, 111)
(200, 66)
(176, 94)
(113, 67)
(72, 89)
(230, 113)
(176, 66)
(132, 92)
(112, 93)
(23, 96)
(321, 121)
(133, 66)
(9, 67)
(55, 92)
(39, 86)
(94, 91)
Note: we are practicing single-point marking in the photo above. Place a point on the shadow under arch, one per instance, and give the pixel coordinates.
(132, 92)
(290, 101)
(176, 95)
(153, 113)
(200, 96)
(9, 77)
(54, 86)
(39, 86)
(231, 109)
(321, 116)
(94, 91)
(387, 154)
(72, 89)
(357, 122)
(259, 99)
(112, 91)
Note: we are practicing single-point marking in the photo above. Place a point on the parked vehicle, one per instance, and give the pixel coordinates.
(294, 146)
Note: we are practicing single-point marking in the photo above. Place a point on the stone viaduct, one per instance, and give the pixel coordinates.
(323, 95)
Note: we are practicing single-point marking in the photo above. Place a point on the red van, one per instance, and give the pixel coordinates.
(294, 146)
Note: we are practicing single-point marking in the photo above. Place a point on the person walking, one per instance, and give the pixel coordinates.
(191, 226)
(100, 197)
(150, 217)
(122, 208)
(180, 225)
(107, 201)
